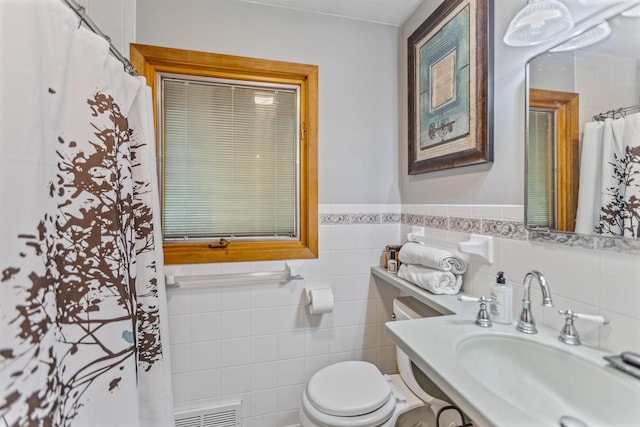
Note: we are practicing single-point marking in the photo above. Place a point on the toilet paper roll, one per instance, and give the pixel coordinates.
(320, 300)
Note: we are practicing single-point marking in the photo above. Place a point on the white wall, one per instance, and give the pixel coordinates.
(357, 79)
(115, 18)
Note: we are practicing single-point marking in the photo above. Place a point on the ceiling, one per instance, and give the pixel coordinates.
(390, 12)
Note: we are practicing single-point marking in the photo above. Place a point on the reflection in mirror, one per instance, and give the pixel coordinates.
(583, 133)
(552, 173)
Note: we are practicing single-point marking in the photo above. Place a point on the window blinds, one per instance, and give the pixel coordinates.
(229, 160)
(541, 170)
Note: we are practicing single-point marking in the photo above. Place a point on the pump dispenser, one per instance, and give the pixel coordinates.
(501, 306)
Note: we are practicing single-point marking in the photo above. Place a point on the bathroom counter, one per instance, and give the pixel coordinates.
(434, 344)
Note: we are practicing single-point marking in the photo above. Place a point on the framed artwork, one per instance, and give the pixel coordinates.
(450, 87)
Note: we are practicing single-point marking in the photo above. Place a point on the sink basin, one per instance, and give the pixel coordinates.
(503, 378)
(550, 380)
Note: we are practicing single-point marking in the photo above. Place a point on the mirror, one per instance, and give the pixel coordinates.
(582, 156)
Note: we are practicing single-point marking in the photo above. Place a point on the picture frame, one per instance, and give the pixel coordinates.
(450, 86)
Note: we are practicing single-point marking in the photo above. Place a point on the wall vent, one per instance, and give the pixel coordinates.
(229, 415)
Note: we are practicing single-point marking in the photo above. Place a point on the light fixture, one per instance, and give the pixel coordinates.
(537, 22)
(591, 36)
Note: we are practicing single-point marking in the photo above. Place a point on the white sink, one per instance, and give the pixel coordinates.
(501, 377)
(549, 381)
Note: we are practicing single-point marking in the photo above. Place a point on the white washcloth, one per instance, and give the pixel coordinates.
(435, 281)
(440, 259)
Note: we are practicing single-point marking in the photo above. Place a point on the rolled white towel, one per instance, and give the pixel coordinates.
(435, 281)
(440, 259)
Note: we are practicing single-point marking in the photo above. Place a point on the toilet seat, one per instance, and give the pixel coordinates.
(375, 418)
(349, 394)
(347, 389)
(339, 395)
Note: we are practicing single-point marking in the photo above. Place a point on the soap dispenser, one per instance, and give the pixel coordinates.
(501, 306)
(392, 264)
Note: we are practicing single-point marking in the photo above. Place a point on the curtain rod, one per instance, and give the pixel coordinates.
(80, 11)
(613, 114)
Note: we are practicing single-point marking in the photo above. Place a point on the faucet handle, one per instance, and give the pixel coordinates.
(569, 334)
(468, 299)
(591, 317)
(482, 318)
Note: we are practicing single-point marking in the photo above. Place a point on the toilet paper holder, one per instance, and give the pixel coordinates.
(319, 299)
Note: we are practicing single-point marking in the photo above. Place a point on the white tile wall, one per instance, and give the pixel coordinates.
(258, 344)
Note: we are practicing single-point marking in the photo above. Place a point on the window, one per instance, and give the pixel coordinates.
(552, 160)
(541, 203)
(229, 154)
(238, 148)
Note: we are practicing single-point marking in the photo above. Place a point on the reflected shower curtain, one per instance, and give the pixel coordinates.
(82, 313)
(609, 194)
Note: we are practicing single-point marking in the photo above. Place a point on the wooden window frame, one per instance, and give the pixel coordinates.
(565, 105)
(149, 61)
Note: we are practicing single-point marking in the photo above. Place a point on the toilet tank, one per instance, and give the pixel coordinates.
(407, 308)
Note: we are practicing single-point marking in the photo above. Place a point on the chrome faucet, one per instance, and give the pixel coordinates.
(526, 324)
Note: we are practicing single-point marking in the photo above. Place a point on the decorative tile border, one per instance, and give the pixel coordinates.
(390, 218)
(613, 244)
(563, 239)
(360, 218)
(628, 246)
(334, 219)
(493, 227)
(499, 228)
(465, 225)
(411, 219)
(506, 229)
(365, 218)
(441, 222)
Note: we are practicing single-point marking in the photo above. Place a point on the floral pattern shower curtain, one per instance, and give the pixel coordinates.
(609, 192)
(81, 298)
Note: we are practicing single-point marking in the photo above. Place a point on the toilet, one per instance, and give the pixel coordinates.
(356, 394)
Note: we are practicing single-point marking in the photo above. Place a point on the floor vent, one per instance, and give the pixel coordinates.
(218, 416)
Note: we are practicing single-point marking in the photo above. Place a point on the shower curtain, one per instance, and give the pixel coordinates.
(82, 313)
(609, 192)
